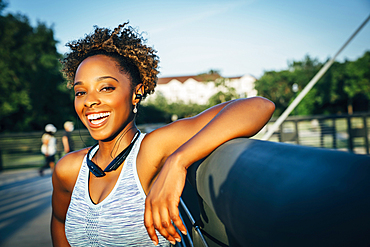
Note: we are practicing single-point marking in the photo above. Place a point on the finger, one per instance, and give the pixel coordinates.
(167, 224)
(176, 219)
(157, 221)
(149, 224)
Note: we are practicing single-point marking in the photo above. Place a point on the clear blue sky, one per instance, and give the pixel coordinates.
(235, 37)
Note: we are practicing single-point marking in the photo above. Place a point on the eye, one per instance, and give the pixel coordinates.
(108, 89)
(79, 93)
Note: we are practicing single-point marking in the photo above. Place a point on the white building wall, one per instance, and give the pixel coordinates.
(244, 86)
(192, 91)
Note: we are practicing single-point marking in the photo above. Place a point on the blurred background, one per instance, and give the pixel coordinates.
(210, 52)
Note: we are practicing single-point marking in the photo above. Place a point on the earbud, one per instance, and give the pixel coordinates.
(138, 96)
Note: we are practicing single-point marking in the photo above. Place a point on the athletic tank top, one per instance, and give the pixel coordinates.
(118, 220)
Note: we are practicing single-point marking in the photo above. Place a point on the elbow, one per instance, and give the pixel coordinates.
(257, 112)
(270, 106)
(265, 105)
(264, 110)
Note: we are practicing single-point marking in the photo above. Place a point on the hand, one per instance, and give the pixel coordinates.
(161, 204)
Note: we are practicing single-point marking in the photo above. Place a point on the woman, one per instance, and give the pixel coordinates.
(48, 148)
(129, 186)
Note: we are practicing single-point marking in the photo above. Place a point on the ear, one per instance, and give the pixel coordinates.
(138, 94)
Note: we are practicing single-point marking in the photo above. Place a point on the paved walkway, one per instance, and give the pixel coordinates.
(25, 208)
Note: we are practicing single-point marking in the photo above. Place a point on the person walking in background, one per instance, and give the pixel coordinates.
(48, 148)
(67, 138)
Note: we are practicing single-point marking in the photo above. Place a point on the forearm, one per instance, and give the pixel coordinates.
(240, 118)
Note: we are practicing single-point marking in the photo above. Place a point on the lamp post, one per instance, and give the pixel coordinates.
(295, 90)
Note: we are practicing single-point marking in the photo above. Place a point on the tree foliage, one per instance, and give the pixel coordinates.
(32, 93)
(159, 110)
(225, 92)
(343, 84)
(357, 75)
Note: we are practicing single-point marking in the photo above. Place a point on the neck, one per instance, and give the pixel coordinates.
(114, 164)
(109, 149)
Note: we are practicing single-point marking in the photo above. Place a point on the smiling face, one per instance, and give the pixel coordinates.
(103, 97)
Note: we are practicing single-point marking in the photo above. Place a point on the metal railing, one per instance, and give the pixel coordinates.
(23, 150)
(343, 132)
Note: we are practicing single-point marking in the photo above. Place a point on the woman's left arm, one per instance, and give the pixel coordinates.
(238, 118)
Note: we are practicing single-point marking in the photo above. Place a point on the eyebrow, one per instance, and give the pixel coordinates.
(99, 79)
(107, 77)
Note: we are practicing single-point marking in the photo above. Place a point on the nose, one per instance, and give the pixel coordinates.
(91, 99)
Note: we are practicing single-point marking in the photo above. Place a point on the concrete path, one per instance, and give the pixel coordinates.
(25, 208)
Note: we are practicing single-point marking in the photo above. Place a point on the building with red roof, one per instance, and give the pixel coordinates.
(199, 88)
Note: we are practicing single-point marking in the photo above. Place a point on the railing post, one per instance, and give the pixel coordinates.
(281, 133)
(321, 125)
(366, 136)
(350, 137)
(296, 131)
(1, 161)
(334, 135)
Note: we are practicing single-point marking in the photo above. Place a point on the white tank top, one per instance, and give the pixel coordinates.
(118, 220)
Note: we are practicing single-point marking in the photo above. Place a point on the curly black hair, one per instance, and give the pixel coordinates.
(124, 45)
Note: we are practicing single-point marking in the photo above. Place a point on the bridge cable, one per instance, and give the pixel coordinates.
(309, 86)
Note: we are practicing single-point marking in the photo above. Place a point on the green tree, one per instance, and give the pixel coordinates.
(324, 98)
(357, 79)
(154, 111)
(335, 79)
(276, 87)
(301, 73)
(225, 92)
(32, 93)
(159, 110)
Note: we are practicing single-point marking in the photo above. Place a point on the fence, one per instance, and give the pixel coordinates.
(23, 150)
(342, 132)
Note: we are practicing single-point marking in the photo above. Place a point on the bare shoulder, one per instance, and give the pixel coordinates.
(67, 169)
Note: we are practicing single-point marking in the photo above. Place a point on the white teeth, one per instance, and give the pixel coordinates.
(96, 116)
(97, 121)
